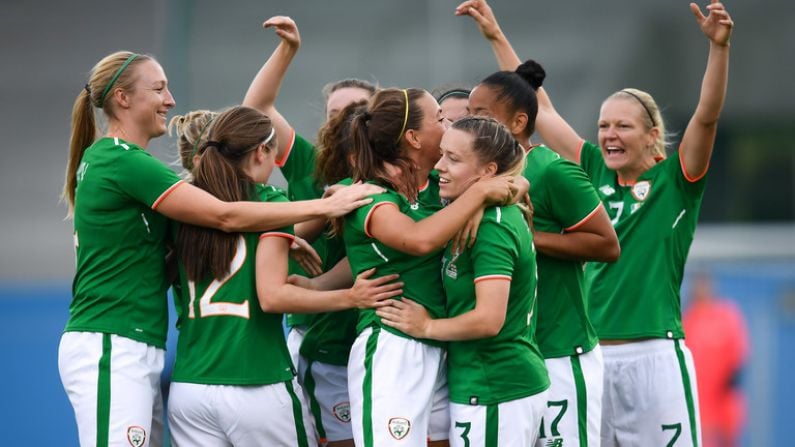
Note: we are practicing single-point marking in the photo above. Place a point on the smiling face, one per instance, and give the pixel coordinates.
(624, 138)
(149, 99)
(459, 165)
(429, 134)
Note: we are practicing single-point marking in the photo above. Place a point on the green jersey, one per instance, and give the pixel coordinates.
(120, 242)
(509, 365)
(224, 336)
(563, 198)
(420, 274)
(298, 168)
(655, 219)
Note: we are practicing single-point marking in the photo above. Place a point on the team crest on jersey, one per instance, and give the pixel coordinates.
(342, 411)
(399, 428)
(607, 190)
(451, 270)
(136, 436)
(641, 190)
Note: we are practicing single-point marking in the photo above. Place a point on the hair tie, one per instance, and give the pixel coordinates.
(115, 77)
(199, 138)
(645, 107)
(88, 89)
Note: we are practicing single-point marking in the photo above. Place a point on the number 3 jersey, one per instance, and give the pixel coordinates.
(654, 218)
(224, 336)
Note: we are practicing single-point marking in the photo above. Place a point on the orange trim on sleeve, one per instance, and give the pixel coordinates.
(584, 219)
(578, 157)
(492, 277)
(166, 193)
(370, 213)
(684, 170)
(288, 236)
(280, 163)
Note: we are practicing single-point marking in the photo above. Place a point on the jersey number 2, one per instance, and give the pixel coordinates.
(210, 308)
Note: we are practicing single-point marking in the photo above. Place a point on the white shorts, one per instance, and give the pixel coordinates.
(394, 384)
(649, 395)
(226, 415)
(573, 411)
(113, 383)
(509, 424)
(294, 339)
(326, 390)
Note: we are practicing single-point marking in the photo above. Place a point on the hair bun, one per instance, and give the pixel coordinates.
(532, 72)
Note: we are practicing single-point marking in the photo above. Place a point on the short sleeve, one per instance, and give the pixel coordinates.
(300, 160)
(495, 251)
(268, 193)
(568, 184)
(591, 159)
(143, 177)
(360, 217)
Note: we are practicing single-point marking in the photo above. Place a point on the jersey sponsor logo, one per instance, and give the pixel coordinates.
(607, 190)
(415, 206)
(399, 428)
(136, 435)
(641, 190)
(342, 411)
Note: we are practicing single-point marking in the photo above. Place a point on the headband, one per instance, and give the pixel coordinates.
(646, 108)
(115, 77)
(270, 137)
(454, 93)
(199, 138)
(405, 117)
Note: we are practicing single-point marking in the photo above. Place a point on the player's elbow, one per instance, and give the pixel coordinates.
(421, 246)
(490, 327)
(611, 249)
(269, 300)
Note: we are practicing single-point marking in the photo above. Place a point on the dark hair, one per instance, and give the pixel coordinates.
(493, 142)
(451, 90)
(334, 144)
(377, 134)
(332, 87)
(234, 134)
(517, 89)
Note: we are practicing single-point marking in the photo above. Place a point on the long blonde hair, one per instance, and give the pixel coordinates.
(115, 71)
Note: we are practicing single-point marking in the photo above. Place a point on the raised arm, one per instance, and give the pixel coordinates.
(264, 89)
(556, 132)
(699, 137)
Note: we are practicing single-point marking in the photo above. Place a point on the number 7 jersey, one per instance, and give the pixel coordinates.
(655, 219)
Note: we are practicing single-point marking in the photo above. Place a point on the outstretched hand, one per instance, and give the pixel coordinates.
(285, 28)
(717, 25)
(481, 12)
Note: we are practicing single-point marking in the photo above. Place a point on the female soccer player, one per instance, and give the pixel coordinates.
(232, 365)
(496, 374)
(393, 377)
(454, 101)
(570, 226)
(322, 363)
(111, 354)
(653, 202)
